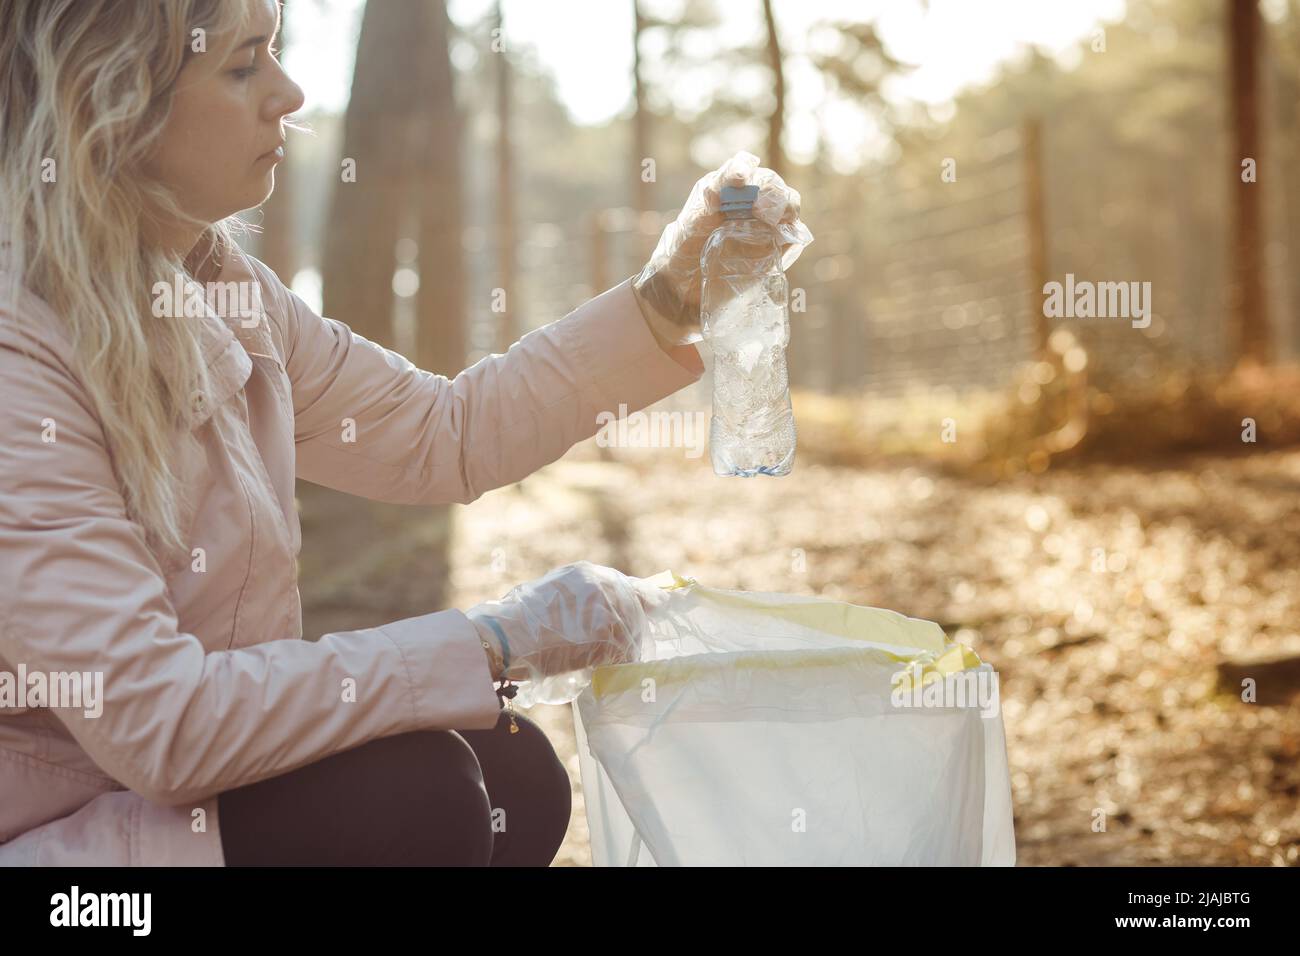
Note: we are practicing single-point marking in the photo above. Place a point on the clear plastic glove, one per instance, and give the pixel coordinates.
(560, 626)
(668, 287)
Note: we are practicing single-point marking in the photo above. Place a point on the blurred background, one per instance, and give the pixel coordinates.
(1105, 512)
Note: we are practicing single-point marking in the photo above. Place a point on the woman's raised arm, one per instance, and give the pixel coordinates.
(369, 422)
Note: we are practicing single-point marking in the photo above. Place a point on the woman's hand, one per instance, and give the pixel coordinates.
(668, 287)
(577, 616)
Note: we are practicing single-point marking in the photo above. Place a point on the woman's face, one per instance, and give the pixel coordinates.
(218, 149)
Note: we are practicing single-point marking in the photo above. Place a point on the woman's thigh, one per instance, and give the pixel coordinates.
(529, 792)
(424, 798)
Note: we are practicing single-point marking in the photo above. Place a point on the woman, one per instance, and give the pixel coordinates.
(147, 525)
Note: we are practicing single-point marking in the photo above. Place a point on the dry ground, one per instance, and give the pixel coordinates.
(1105, 596)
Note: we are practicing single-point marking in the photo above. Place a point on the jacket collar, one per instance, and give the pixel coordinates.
(225, 330)
(226, 337)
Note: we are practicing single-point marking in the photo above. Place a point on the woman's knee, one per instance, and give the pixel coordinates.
(449, 816)
(529, 789)
(549, 777)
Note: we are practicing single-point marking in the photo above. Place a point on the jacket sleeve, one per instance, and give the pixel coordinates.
(81, 592)
(421, 438)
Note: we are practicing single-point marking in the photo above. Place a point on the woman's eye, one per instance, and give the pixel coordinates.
(244, 72)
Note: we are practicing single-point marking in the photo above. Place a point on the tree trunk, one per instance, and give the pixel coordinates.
(510, 326)
(441, 331)
(365, 216)
(401, 138)
(642, 191)
(1036, 225)
(1246, 306)
(776, 121)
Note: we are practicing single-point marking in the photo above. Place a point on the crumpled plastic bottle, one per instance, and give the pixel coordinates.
(745, 319)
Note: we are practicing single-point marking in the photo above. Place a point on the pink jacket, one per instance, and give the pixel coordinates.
(207, 682)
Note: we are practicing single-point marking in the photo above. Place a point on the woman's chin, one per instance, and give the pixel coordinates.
(262, 191)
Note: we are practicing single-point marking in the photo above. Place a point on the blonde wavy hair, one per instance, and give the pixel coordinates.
(89, 84)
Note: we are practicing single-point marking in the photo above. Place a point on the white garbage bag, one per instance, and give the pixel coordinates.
(778, 729)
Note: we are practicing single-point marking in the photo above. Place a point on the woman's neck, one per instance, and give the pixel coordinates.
(204, 262)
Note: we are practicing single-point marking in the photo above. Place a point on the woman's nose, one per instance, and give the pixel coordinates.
(287, 98)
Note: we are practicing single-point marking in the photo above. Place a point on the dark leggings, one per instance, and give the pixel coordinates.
(424, 798)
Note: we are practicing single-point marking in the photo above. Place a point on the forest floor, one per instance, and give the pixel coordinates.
(1106, 597)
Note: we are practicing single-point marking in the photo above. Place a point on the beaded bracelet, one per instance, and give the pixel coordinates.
(506, 692)
(501, 636)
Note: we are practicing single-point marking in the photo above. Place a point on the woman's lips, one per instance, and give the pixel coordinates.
(276, 154)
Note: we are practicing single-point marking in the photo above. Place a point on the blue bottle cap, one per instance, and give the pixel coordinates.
(738, 201)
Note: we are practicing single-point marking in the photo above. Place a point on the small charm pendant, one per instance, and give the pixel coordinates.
(507, 691)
